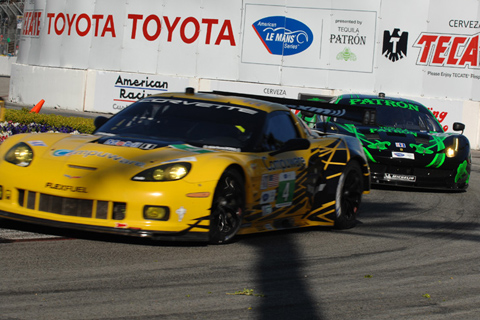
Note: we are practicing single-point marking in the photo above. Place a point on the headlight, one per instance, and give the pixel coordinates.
(20, 154)
(452, 150)
(166, 172)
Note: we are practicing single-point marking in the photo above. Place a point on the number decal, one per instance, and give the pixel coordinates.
(286, 189)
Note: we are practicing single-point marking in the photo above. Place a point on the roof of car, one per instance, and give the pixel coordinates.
(372, 100)
(242, 101)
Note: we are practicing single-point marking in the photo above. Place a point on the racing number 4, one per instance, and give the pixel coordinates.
(286, 189)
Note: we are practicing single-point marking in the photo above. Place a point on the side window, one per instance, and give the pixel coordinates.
(278, 130)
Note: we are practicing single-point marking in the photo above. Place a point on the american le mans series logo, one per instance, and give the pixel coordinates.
(282, 35)
(395, 44)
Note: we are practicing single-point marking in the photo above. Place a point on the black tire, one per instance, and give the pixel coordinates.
(227, 207)
(348, 196)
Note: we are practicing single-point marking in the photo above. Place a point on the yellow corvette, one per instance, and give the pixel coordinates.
(186, 166)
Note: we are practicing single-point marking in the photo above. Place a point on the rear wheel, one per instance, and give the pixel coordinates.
(348, 196)
(227, 207)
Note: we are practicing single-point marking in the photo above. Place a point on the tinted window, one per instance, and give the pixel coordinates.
(278, 130)
(196, 122)
(402, 118)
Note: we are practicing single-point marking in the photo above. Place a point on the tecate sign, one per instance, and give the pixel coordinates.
(282, 35)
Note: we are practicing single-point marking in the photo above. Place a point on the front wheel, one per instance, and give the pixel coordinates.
(348, 196)
(227, 207)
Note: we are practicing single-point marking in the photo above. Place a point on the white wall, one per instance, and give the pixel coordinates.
(6, 65)
(74, 52)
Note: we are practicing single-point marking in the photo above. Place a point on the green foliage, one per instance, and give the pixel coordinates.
(83, 125)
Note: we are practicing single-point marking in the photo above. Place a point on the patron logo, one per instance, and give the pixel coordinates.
(283, 36)
(395, 44)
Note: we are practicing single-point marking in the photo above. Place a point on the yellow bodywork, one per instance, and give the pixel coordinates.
(74, 181)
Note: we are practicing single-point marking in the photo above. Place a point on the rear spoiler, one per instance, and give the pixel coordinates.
(314, 105)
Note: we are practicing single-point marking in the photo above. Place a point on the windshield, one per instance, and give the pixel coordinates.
(403, 118)
(196, 122)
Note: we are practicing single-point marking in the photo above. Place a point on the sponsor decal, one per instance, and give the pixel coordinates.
(393, 130)
(195, 103)
(131, 90)
(448, 50)
(283, 36)
(347, 55)
(222, 148)
(31, 23)
(190, 148)
(267, 197)
(100, 154)
(61, 152)
(37, 143)
(269, 181)
(286, 189)
(348, 35)
(63, 187)
(181, 213)
(321, 111)
(266, 210)
(71, 177)
(395, 44)
(188, 30)
(284, 163)
(130, 144)
(399, 177)
(384, 102)
(190, 159)
(403, 155)
(400, 145)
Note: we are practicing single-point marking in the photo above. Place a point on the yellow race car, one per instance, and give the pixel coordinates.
(186, 166)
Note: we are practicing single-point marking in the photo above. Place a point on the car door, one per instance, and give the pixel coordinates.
(282, 195)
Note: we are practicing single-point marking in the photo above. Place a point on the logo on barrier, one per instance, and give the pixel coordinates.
(395, 44)
(283, 36)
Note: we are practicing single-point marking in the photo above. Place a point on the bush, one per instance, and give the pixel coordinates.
(52, 121)
(22, 121)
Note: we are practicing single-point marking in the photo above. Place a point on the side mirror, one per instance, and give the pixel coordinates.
(458, 126)
(292, 145)
(99, 121)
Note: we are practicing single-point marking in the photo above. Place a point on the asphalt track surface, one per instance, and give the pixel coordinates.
(413, 255)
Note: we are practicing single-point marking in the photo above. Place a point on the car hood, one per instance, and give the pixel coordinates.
(112, 153)
(381, 143)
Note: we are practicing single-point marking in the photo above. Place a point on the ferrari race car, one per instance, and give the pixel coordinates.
(191, 166)
(404, 143)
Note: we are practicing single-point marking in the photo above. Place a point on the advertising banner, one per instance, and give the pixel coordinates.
(427, 50)
(115, 91)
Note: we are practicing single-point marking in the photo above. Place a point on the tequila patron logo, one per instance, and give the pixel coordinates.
(283, 36)
(395, 44)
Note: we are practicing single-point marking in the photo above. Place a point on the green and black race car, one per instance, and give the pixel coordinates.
(403, 141)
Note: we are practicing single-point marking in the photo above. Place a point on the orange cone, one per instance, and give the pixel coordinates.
(38, 106)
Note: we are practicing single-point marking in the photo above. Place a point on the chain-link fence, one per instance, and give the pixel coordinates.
(11, 15)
